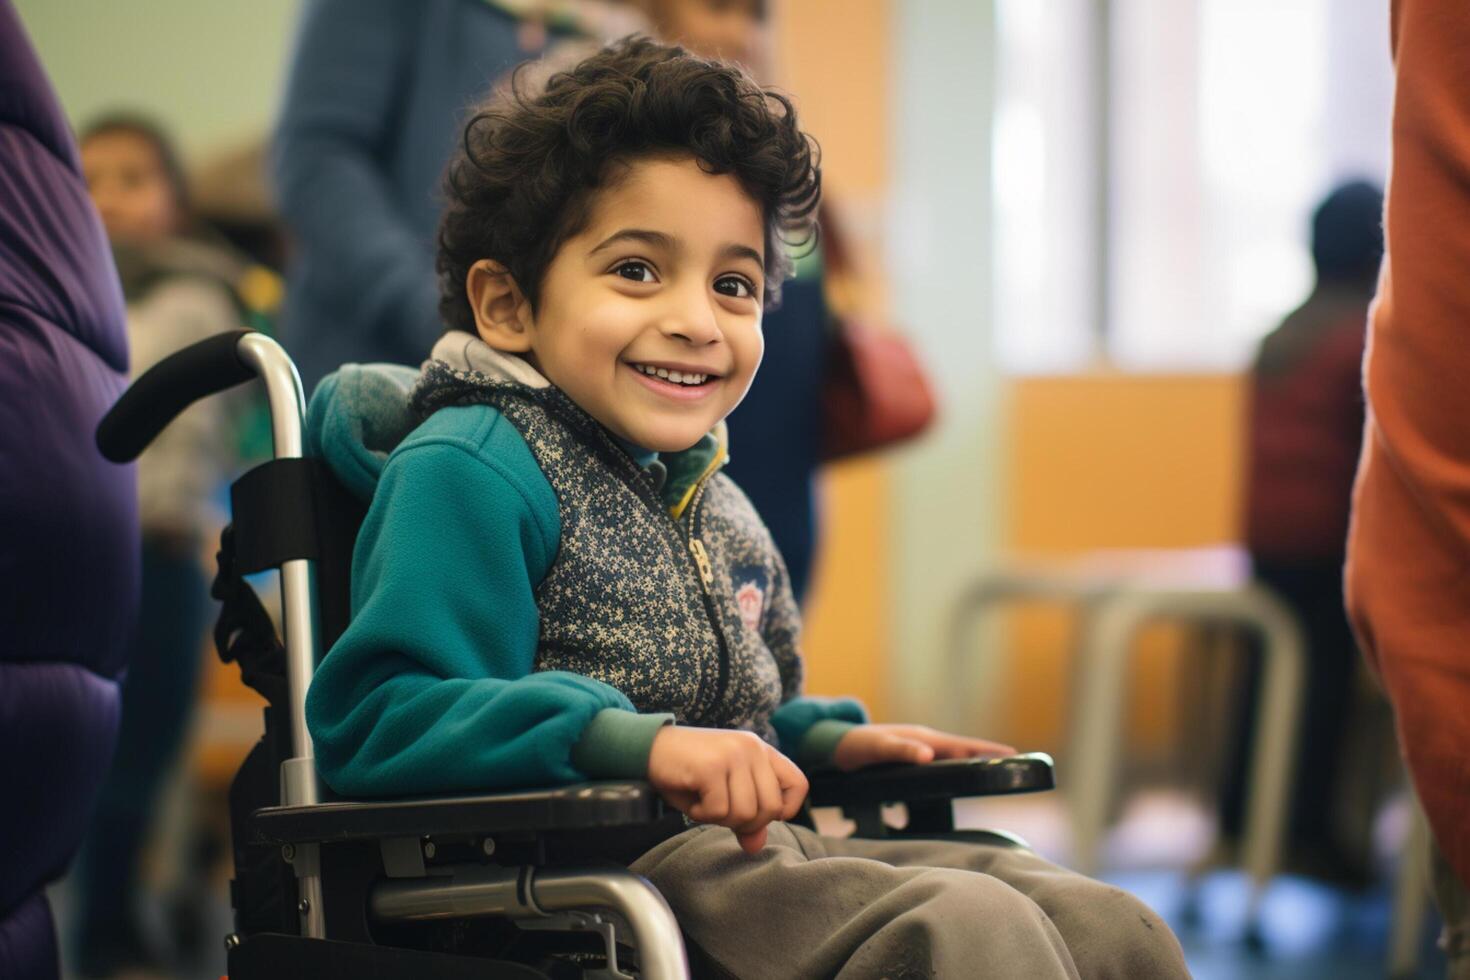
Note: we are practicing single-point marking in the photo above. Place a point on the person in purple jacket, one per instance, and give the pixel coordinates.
(69, 541)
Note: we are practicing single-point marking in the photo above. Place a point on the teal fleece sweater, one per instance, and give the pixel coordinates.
(432, 687)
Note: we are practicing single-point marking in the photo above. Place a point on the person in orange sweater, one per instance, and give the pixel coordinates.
(1408, 570)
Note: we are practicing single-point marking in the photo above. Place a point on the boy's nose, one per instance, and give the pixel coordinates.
(691, 320)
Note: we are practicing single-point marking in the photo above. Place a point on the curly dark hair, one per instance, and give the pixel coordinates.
(523, 180)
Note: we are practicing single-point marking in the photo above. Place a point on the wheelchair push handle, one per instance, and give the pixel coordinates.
(163, 392)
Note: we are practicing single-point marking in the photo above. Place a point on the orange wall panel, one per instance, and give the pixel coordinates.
(847, 612)
(1114, 461)
(1124, 461)
(833, 56)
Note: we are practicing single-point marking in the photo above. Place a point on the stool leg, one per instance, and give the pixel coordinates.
(1410, 897)
(1274, 756)
(1094, 756)
(970, 612)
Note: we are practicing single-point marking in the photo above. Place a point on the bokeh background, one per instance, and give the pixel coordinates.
(1084, 215)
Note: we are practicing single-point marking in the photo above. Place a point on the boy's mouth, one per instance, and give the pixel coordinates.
(688, 377)
(678, 383)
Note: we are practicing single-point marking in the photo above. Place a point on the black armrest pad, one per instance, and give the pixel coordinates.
(947, 779)
(580, 807)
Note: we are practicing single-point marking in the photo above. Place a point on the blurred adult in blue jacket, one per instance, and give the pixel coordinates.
(373, 100)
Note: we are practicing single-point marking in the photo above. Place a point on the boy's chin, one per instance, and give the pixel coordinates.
(676, 445)
(668, 439)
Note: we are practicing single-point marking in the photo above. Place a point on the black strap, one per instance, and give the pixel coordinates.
(274, 507)
(244, 632)
(284, 509)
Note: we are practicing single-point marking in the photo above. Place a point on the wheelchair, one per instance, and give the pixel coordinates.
(507, 884)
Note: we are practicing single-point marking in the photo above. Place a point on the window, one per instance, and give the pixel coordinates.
(1045, 185)
(1156, 165)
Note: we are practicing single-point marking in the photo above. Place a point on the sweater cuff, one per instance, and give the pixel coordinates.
(820, 741)
(616, 743)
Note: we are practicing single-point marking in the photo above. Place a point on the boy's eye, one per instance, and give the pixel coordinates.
(737, 286)
(634, 270)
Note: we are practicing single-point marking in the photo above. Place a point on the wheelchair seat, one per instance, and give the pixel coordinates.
(524, 883)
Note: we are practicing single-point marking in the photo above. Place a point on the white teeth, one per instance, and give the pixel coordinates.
(677, 377)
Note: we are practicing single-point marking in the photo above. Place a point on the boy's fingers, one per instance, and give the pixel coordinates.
(901, 749)
(958, 747)
(744, 805)
(794, 785)
(714, 801)
(752, 842)
(681, 800)
(770, 805)
(997, 749)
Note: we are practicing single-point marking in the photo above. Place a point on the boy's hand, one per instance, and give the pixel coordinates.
(732, 779)
(868, 745)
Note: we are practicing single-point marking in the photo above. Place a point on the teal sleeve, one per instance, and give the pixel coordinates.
(431, 688)
(809, 728)
(616, 744)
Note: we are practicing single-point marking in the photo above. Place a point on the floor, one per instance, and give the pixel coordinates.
(1308, 930)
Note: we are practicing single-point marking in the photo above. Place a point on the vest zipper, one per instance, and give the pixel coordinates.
(703, 567)
(707, 580)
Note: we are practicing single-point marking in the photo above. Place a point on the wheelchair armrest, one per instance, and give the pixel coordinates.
(584, 806)
(944, 780)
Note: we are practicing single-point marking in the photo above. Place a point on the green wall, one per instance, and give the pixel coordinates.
(947, 487)
(210, 71)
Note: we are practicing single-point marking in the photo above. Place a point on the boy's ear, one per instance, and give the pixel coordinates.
(502, 312)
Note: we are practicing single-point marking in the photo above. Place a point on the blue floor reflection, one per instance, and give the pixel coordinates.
(1308, 930)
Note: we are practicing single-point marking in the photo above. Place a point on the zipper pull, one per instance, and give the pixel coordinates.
(701, 559)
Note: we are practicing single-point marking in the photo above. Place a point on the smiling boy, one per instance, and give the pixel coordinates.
(650, 318)
(554, 581)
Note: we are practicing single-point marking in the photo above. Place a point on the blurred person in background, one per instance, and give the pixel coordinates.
(1305, 433)
(1409, 544)
(729, 30)
(181, 286)
(777, 429)
(374, 97)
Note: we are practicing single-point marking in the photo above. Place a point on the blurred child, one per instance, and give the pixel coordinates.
(1305, 434)
(555, 582)
(180, 288)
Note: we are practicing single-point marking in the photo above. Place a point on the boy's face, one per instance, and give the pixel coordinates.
(650, 317)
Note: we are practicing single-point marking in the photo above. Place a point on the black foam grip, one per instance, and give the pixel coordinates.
(166, 389)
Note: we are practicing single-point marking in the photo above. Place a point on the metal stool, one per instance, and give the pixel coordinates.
(1118, 595)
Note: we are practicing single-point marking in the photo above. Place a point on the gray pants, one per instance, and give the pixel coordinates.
(810, 906)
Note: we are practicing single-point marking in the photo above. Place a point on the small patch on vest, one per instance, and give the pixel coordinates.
(751, 600)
